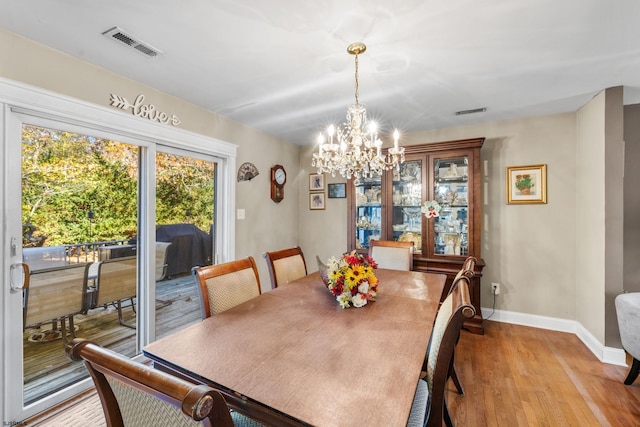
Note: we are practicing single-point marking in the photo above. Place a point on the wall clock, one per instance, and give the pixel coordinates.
(278, 179)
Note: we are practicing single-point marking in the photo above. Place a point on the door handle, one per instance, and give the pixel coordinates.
(18, 277)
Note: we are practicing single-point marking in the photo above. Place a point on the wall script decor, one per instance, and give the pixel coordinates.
(145, 111)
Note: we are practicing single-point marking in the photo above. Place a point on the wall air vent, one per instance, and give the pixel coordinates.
(475, 110)
(121, 36)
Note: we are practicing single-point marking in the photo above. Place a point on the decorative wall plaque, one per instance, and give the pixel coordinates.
(147, 111)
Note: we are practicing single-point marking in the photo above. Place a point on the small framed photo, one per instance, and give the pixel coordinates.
(316, 201)
(526, 184)
(316, 182)
(337, 191)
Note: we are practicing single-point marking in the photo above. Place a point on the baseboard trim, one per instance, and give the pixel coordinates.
(609, 355)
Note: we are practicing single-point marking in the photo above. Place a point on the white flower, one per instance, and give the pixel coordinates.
(334, 264)
(343, 299)
(358, 301)
(363, 287)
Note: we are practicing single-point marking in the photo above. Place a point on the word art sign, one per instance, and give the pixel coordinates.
(147, 111)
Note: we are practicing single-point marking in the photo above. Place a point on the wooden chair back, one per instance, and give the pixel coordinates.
(392, 254)
(132, 393)
(226, 285)
(54, 294)
(451, 315)
(285, 265)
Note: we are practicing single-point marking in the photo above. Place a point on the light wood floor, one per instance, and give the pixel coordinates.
(512, 376)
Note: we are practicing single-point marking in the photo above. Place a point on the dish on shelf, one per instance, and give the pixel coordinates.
(410, 236)
(400, 227)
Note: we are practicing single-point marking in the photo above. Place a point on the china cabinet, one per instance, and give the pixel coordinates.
(389, 208)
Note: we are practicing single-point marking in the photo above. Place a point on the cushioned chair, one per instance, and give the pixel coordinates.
(429, 406)
(392, 254)
(132, 393)
(467, 270)
(628, 312)
(285, 265)
(226, 285)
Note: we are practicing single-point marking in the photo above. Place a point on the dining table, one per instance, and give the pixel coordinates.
(293, 356)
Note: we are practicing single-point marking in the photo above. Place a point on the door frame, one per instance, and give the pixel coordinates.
(18, 101)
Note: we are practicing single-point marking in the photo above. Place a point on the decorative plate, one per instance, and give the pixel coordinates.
(247, 171)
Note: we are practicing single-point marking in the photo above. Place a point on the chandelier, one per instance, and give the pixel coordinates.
(354, 149)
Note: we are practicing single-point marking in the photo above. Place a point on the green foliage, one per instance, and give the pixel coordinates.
(66, 175)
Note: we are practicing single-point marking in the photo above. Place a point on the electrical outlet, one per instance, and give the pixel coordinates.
(495, 288)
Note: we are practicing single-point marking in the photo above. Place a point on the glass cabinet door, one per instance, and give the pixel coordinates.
(451, 191)
(406, 221)
(368, 198)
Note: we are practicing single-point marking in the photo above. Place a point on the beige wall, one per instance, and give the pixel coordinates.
(528, 249)
(632, 198)
(267, 225)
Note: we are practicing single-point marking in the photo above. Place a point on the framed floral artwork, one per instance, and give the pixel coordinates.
(316, 182)
(526, 184)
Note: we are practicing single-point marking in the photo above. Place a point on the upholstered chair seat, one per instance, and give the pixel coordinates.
(628, 312)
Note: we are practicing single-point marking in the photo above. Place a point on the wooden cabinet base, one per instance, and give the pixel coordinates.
(450, 267)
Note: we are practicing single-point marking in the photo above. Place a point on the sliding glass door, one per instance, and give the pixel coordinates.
(83, 254)
(185, 234)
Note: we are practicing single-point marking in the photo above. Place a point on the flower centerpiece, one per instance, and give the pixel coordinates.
(351, 279)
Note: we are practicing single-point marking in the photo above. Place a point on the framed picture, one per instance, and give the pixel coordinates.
(337, 191)
(316, 201)
(526, 184)
(316, 182)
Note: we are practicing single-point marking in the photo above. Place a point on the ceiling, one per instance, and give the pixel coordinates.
(282, 66)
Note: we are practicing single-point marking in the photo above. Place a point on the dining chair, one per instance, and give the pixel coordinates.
(132, 393)
(467, 270)
(285, 265)
(226, 285)
(430, 406)
(628, 313)
(162, 249)
(392, 254)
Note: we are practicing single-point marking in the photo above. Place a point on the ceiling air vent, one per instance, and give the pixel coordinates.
(475, 110)
(121, 36)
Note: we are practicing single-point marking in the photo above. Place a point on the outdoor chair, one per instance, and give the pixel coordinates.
(161, 260)
(392, 254)
(52, 295)
(117, 282)
(132, 393)
(226, 285)
(430, 406)
(285, 265)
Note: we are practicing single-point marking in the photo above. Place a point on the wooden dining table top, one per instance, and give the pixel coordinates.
(294, 356)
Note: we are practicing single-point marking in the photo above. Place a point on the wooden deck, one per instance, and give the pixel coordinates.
(47, 369)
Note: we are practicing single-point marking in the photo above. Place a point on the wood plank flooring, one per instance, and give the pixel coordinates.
(512, 376)
(520, 376)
